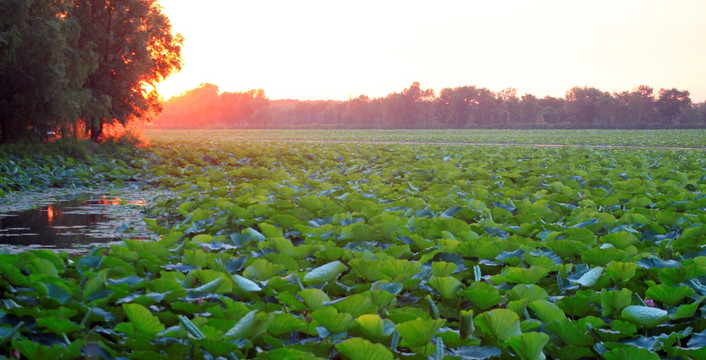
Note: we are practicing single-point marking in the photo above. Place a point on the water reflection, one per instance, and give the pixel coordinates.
(64, 223)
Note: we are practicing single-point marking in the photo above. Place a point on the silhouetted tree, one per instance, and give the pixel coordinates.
(582, 104)
(672, 102)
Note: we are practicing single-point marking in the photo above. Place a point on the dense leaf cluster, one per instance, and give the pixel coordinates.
(67, 163)
(359, 251)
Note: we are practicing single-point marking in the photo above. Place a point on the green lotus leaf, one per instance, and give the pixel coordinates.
(262, 270)
(58, 326)
(286, 353)
(529, 275)
(361, 349)
(371, 326)
(483, 295)
(499, 323)
(527, 292)
(547, 311)
(250, 326)
(570, 333)
(283, 323)
(442, 268)
(669, 295)
(314, 298)
(684, 311)
(356, 305)
(383, 299)
(269, 230)
(358, 232)
(529, 346)
(620, 239)
(332, 320)
(202, 238)
(399, 270)
(144, 322)
(645, 315)
(367, 269)
(447, 286)
(621, 271)
(591, 277)
(630, 353)
(602, 256)
(614, 301)
(216, 347)
(246, 284)
(325, 273)
(419, 332)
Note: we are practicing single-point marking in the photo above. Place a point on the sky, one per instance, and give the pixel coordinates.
(317, 50)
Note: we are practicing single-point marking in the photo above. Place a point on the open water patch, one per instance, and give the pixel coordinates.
(73, 220)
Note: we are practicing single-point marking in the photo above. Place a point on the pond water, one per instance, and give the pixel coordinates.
(73, 220)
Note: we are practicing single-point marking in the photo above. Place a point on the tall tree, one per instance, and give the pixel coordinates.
(671, 103)
(135, 49)
(638, 105)
(582, 104)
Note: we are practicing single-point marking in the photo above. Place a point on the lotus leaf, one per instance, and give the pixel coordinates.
(501, 324)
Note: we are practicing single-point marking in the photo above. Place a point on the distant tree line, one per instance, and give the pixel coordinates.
(73, 66)
(460, 107)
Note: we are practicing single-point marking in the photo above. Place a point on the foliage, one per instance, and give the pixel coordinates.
(277, 249)
(70, 67)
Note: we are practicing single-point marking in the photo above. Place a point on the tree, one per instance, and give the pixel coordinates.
(135, 49)
(582, 104)
(671, 103)
(38, 77)
(638, 105)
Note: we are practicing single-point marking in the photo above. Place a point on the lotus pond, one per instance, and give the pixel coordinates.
(282, 250)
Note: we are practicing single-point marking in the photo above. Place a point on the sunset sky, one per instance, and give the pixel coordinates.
(336, 50)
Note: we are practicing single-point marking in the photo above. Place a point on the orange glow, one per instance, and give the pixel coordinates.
(320, 50)
(50, 214)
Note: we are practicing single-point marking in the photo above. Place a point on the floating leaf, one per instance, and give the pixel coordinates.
(332, 320)
(614, 301)
(419, 332)
(483, 295)
(499, 323)
(447, 286)
(325, 273)
(529, 346)
(356, 305)
(546, 311)
(529, 275)
(371, 326)
(591, 277)
(314, 298)
(668, 295)
(250, 326)
(246, 284)
(361, 349)
(630, 353)
(644, 315)
(144, 322)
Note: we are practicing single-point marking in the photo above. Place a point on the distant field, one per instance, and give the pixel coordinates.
(646, 138)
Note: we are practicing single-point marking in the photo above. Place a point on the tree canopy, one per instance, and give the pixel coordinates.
(76, 65)
(415, 107)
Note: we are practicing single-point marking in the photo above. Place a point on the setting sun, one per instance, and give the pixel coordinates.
(331, 50)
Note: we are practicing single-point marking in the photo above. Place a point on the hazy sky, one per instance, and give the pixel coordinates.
(336, 50)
